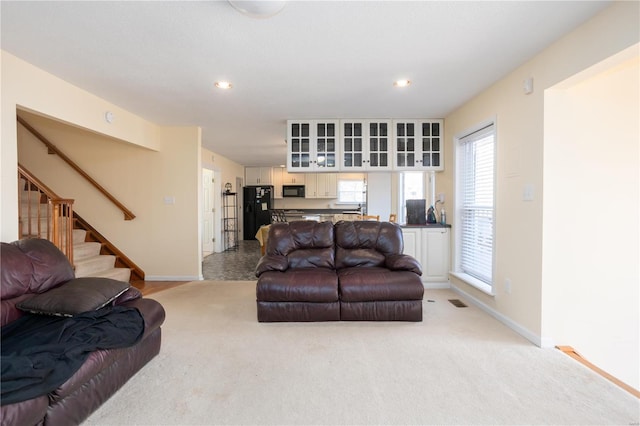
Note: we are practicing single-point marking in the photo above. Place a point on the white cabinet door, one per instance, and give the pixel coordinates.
(310, 186)
(258, 176)
(430, 247)
(299, 145)
(418, 145)
(365, 145)
(413, 242)
(326, 185)
(431, 145)
(276, 173)
(312, 145)
(292, 178)
(436, 254)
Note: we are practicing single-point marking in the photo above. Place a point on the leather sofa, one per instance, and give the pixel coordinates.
(354, 271)
(35, 267)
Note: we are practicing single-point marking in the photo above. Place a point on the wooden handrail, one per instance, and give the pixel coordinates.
(128, 215)
(58, 213)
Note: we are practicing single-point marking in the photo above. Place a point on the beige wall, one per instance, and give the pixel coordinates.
(520, 147)
(229, 172)
(154, 162)
(591, 276)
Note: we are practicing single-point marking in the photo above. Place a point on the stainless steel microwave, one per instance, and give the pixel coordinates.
(293, 191)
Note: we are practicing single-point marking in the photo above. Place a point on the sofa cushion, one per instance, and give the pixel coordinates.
(15, 270)
(298, 285)
(75, 296)
(305, 244)
(375, 283)
(366, 243)
(50, 266)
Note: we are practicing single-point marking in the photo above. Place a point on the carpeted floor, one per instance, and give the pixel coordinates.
(218, 365)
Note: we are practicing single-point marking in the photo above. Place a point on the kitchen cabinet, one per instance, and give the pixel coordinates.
(365, 145)
(418, 145)
(312, 145)
(282, 177)
(321, 185)
(292, 178)
(430, 246)
(258, 176)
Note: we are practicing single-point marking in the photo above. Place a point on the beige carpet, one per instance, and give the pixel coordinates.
(218, 365)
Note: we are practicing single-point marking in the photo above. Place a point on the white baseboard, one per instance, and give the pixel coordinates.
(171, 278)
(524, 332)
(436, 285)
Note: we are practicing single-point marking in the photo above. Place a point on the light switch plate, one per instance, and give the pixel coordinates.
(527, 192)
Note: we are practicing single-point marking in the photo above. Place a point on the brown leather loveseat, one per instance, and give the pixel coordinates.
(356, 271)
(49, 316)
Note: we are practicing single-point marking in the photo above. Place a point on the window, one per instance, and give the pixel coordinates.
(351, 191)
(475, 199)
(411, 188)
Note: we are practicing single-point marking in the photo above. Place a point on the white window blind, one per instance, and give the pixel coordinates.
(476, 186)
(351, 191)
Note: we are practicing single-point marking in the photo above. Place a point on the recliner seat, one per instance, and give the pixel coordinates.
(348, 271)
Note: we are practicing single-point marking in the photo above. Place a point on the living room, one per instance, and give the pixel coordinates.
(596, 265)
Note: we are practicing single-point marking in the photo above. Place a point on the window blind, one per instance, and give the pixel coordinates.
(476, 174)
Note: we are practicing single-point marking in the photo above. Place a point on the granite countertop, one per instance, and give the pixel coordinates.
(426, 225)
(300, 212)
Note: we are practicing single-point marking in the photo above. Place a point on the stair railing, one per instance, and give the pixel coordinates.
(52, 149)
(51, 220)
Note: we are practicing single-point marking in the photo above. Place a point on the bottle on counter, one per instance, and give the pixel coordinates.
(431, 215)
(443, 217)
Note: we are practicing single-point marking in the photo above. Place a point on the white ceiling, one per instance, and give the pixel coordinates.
(316, 59)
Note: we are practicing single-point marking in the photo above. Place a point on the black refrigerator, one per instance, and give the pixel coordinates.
(258, 200)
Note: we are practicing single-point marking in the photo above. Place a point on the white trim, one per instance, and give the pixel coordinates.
(436, 285)
(172, 278)
(524, 332)
(493, 121)
(474, 282)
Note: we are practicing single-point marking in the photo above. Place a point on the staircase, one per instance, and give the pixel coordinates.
(90, 263)
(92, 255)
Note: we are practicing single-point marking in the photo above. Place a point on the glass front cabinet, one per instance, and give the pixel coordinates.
(365, 145)
(418, 145)
(312, 145)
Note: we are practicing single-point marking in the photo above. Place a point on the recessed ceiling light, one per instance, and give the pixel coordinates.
(401, 83)
(223, 85)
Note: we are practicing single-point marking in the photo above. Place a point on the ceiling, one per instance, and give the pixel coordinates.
(315, 59)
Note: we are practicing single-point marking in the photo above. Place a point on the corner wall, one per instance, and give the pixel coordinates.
(520, 148)
(591, 244)
(157, 162)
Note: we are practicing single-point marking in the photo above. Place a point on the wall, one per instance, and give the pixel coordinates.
(156, 162)
(229, 172)
(520, 146)
(591, 242)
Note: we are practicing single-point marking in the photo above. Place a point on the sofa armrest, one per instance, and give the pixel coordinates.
(403, 262)
(271, 263)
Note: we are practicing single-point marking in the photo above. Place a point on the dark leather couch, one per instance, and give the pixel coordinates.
(318, 271)
(35, 266)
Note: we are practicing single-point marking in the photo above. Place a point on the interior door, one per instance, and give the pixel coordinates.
(207, 212)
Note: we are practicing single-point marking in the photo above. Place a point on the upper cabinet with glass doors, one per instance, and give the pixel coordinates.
(365, 145)
(312, 145)
(418, 145)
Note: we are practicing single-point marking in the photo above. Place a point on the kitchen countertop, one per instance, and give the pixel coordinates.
(331, 212)
(295, 212)
(427, 225)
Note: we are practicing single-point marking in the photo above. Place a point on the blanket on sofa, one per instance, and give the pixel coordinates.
(39, 353)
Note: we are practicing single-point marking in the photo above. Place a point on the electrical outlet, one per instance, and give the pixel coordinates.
(441, 197)
(507, 286)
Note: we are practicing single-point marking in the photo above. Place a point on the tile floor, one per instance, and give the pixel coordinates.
(233, 265)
